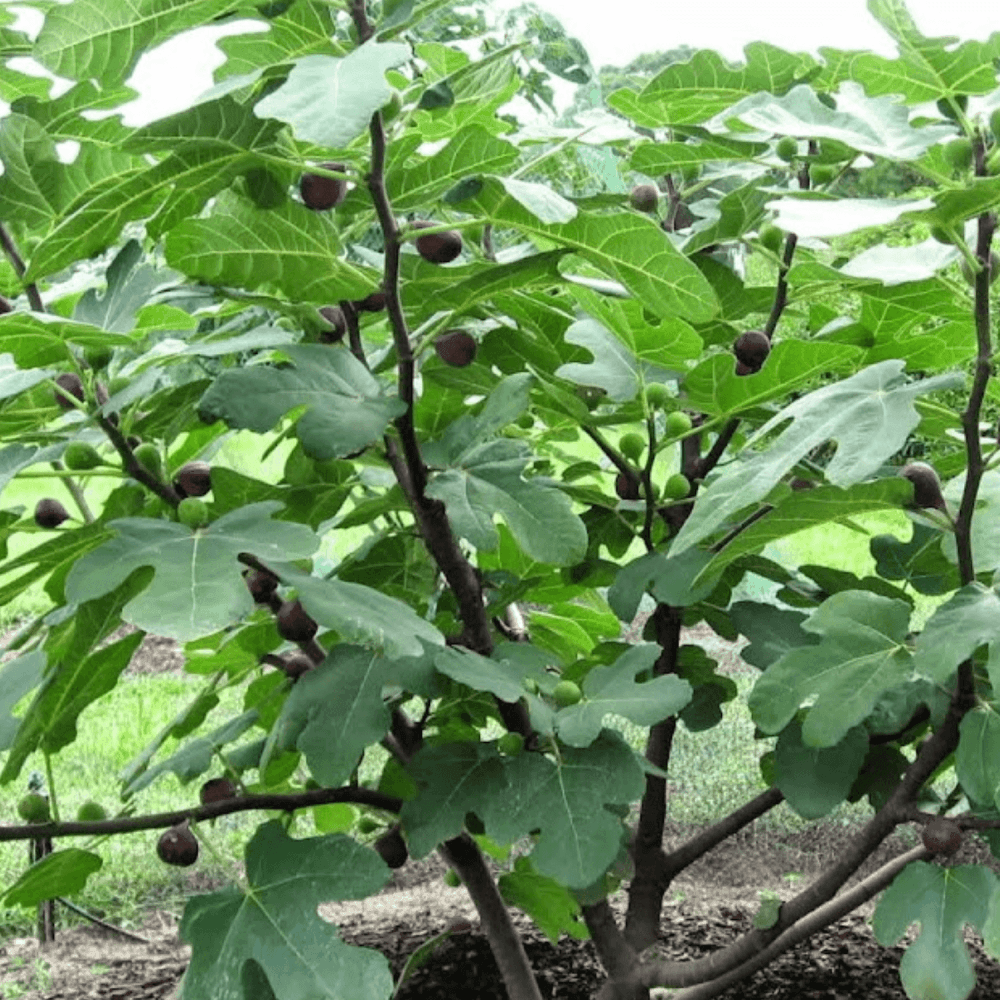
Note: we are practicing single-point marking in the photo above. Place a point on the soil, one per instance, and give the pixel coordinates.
(707, 907)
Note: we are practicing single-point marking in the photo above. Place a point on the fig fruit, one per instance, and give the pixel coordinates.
(296, 665)
(371, 303)
(970, 275)
(178, 846)
(68, 382)
(752, 348)
(677, 424)
(510, 744)
(626, 486)
(148, 456)
(926, 485)
(98, 357)
(566, 693)
(193, 479)
(80, 456)
(821, 173)
(787, 148)
(644, 197)
(942, 836)
(294, 624)
(261, 585)
(677, 486)
(34, 808)
(657, 395)
(456, 348)
(217, 790)
(320, 192)
(193, 512)
(958, 154)
(334, 315)
(50, 513)
(771, 238)
(438, 248)
(632, 446)
(392, 848)
(91, 812)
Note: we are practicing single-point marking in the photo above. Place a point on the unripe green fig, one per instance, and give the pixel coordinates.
(926, 485)
(958, 153)
(98, 356)
(567, 693)
(632, 446)
(193, 512)
(510, 744)
(34, 808)
(91, 812)
(50, 513)
(80, 456)
(451, 877)
(657, 395)
(368, 825)
(942, 835)
(677, 486)
(821, 173)
(644, 197)
(677, 424)
(525, 421)
(178, 846)
(771, 238)
(787, 148)
(148, 456)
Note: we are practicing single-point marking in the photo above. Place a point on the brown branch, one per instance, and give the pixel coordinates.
(135, 468)
(87, 915)
(245, 803)
(781, 289)
(720, 444)
(9, 247)
(617, 956)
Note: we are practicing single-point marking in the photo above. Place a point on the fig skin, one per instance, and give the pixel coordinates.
(644, 197)
(296, 665)
(372, 303)
(322, 193)
(261, 586)
(178, 846)
(193, 479)
(926, 485)
(217, 790)
(392, 848)
(50, 513)
(294, 624)
(456, 348)
(334, 315)
(438, 248)
(68, 382)
(752, 348)
(942, 835)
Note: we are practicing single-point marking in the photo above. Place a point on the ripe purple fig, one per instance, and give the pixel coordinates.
(644, 197)
(751, 349)
(217, 790)
(438, 248)
(178, 846)
(321, 193)
(926, 485)
(942, 836)
(50, 513)
(261, 585)
(70, 383)
(371, 303)
(392, 848)
(456, 348)
(334, 315)
(193, 479)
(294, 624)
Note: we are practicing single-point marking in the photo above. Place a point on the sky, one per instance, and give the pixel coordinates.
(171, 76)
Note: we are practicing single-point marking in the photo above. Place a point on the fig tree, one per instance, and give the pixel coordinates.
(456, 348)
(438, 248)
(91, 812)
(926, 485)
(193, 512)
(392, 848)
(50, 513)
(34, 808)
(375, 302)
(178, 846)
(193, 479)
(80, 456)
(752, 348)
(942, 835)
(68, 382)
(320, 192)
(294, 624)
(644, 197)
(567, 693)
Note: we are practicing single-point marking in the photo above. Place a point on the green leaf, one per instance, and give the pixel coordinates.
(329, 102)
(500, 677)
(197, 587)
(985, 524)
(668, 578)
(977, 754)
(274, 921)
(626, 246)
(614, 689)
(870, 415)
(815, 780)
(550, 905)
(919, 563)
(61, 873)
(18, 677)
(943, 901)
(971, 618)
(289, 247)
(346, 407)
(862, 654)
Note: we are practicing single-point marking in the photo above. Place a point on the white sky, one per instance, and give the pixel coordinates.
(171, 76)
